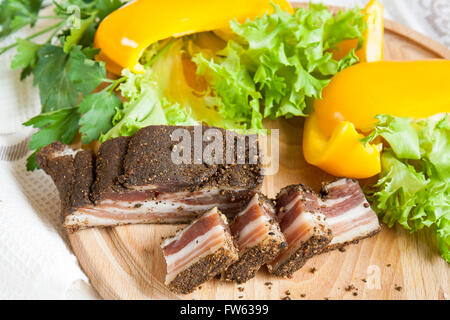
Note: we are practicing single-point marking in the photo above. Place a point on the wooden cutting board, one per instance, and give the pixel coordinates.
(126, 262)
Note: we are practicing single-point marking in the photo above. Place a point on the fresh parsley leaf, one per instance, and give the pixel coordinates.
(26, 55)
(97, 110)
(63, 77)
(77, 33)
(85, 74)
(105, 7)
(60, 125)
(51, 74)
(15, 14)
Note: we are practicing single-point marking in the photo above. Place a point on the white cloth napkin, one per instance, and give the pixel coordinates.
(36, 261)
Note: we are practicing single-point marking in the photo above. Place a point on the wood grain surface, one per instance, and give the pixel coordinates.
(126, 262)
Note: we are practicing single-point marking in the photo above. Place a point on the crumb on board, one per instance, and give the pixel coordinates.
(286, 298)
(312, 270)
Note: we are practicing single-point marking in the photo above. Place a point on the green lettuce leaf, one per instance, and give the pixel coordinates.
(287, 57)
(414, 185)
(145, 106)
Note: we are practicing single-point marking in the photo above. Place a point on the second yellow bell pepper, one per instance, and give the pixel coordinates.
(331, 138)
(127, 32)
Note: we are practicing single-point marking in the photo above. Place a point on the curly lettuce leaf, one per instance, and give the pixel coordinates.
(414, 185)
(144, 106)
(231, 80)
(280, 61)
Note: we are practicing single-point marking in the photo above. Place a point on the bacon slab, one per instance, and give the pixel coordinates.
(303, 225)
(348, 213)
(199, 252)
(134, 179)
(258, 237)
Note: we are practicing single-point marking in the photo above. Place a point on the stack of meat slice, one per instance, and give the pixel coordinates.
(308, 225)
(258, 237)
(314, 225)
(199, 252)
(136, 180)
(303, 225)
(348, 213)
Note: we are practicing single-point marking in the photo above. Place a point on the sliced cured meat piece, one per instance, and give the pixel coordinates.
(134, 180)
(72, 171)
(198, 252)
(348, 213)
(303, 225)
(258, 237)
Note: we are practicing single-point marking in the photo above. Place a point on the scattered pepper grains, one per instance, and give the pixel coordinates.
(349, 287)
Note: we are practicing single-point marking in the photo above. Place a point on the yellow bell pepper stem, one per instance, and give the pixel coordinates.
(127, 32)
(331, 137)
(372, 47)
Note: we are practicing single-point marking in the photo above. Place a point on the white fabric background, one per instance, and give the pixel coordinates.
(36, 261)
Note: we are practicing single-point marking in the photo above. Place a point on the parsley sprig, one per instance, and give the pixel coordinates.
(64, 69)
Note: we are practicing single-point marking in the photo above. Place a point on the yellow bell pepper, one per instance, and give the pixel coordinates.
(331, 136)
(372, 48)
(127, 32)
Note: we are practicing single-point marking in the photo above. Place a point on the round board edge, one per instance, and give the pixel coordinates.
(107, 292)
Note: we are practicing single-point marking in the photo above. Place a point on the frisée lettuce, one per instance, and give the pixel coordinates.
(414, 186)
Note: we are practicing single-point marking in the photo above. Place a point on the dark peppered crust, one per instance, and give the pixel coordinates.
(252, 260)
(308, 249)
(109, 166)
(148, 162)
(202, 271)
(72, 176)
(84, 162)
(60, 169)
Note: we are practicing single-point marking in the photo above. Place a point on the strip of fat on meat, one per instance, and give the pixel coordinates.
(258, 237)
(303, 225)
(198, 252)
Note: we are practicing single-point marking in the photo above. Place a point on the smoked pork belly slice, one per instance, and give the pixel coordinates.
(198, 252)
(120, 185)
(303, 225)
(348, 213)
(258, 237)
